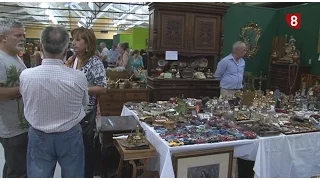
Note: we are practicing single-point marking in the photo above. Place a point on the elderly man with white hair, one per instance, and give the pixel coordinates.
(230, 70)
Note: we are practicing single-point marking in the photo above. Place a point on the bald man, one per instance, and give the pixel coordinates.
(230, 70)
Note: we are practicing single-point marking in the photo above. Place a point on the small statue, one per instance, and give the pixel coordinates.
(303, 93)
(292, 41)
(178, 74)
(310, 93)
(290, 50)
(209, 74)
(276, 94)
(297, 95)
(130, 138)
(138, 134)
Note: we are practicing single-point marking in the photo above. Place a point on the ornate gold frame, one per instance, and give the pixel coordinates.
(252, 47)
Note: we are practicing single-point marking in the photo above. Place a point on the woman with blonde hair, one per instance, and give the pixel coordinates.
(85, 60)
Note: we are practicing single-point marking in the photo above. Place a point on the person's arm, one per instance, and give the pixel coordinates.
(84, 86)
(100, 79)
(141, 62)
(221, 68)
(7, 93)
(125, 60)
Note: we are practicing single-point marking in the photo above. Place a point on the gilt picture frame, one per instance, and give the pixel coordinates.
(250, 35)
(213, 163)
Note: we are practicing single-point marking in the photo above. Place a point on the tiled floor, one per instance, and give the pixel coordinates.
(57, 173)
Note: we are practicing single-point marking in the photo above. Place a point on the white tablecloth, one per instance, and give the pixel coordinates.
(245, 149)
(282, 156)
(291, 156)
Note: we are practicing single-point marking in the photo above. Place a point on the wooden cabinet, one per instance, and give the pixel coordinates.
(174, 31)
(186, 27)
(112, 101)
(192, 29)
(287, 77)
(161, 89)
(206, 33)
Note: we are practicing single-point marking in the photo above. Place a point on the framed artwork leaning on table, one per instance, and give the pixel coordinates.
(214, 163)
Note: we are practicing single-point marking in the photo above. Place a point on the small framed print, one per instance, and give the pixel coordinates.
(216, 163)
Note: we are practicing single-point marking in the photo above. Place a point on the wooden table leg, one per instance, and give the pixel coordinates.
(134, 168)
(119, 173)
(145, 165)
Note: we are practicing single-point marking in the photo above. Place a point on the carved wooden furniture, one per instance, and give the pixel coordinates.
(112, 101)
(192, 29)
(134, 155)
(286, 76)
(186, 27)
(161, 89)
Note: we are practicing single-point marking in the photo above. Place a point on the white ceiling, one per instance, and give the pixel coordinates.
(108, 16)
(113, 16)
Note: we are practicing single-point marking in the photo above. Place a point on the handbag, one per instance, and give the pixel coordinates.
(88, 123)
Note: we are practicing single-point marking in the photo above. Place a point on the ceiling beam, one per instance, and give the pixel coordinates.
(54, 13)
(103, 13)
(80, 8)
(125, 15)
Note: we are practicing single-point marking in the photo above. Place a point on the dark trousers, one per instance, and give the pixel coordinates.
(15, 152)
(88, 124)
(89, 155)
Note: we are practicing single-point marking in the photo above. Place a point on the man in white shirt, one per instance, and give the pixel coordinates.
(104, 52)
(54, 97)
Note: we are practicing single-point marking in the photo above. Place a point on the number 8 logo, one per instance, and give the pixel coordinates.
(294, 21)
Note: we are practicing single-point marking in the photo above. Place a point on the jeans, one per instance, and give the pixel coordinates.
(15, 151)
(45, 150)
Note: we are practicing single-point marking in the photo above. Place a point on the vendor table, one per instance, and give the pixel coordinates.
(284, 156)
(162, 162)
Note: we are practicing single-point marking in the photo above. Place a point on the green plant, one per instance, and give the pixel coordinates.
(13, 81)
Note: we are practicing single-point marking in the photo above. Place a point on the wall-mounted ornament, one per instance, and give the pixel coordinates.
(250, 34)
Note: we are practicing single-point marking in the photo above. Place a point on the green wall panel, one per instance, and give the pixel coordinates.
(126, 38)
(236, 17)
(307, 36)
(139, 38)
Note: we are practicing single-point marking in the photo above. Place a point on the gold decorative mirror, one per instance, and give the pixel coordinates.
(250, 35)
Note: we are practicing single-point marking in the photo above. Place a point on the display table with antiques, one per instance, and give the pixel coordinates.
(256, 125)
(163, 161)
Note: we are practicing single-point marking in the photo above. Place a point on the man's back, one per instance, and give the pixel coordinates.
(54, 96)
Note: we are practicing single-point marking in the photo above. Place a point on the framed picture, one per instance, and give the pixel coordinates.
(215, 163)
